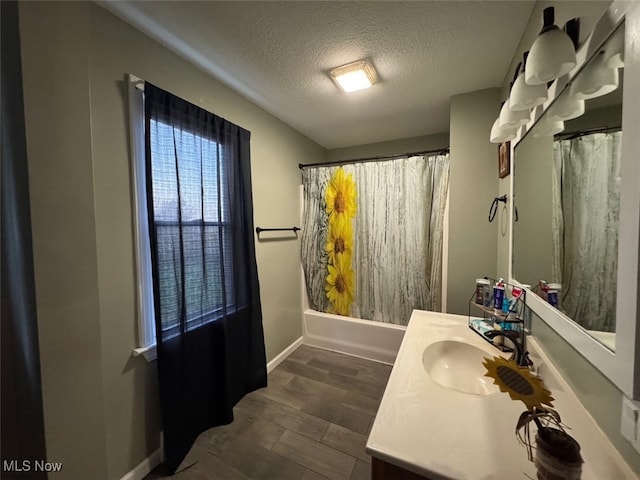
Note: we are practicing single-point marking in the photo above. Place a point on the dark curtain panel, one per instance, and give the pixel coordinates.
(22, 415)
(207, 301)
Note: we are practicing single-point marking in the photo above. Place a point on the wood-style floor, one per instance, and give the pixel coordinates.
(310, 423)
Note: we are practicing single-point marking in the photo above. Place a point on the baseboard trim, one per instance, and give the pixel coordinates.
(145, 467)
(283, 355)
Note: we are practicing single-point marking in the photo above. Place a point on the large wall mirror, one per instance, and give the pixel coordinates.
(567, 189)
(575, 241)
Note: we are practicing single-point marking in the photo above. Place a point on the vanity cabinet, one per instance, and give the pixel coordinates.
(381, 470)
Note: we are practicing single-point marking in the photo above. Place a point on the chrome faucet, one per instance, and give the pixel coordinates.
(520, 354)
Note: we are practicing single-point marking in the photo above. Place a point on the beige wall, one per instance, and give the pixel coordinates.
(101, 405)
(55, 52)
(473, 177)
(393, 147)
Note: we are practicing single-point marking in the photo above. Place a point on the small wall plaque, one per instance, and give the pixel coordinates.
(504, 157)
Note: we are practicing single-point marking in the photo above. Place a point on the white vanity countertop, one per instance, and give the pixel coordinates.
(440, 433)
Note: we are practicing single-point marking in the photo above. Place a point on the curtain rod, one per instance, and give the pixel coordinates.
(372, 159)
(581, 133)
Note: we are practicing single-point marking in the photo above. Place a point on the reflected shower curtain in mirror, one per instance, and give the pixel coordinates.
(586, 211)
(372, 237)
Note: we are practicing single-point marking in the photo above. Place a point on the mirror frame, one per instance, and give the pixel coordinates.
(622, 367)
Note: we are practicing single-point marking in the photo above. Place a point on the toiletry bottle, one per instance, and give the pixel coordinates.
(505, 305)
(512, 315)
(498, 297)
(553, 294)
(516, 292)
(483, 294)
(543, 289)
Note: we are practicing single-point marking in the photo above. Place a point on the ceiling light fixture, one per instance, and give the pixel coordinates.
(354, 76)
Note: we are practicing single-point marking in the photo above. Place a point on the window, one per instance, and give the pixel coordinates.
(192, 236)
(189, 239)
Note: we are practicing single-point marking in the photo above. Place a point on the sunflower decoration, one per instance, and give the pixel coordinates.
(518, 382)
(340, 285)
(340, 199)
(340, 239)
(521, 385)
(340, 195)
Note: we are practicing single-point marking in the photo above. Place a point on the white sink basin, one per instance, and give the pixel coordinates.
(458, 366)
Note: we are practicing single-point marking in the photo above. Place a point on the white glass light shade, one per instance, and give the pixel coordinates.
(526, 97)
(499, 134)
(616, 60)
(595, 80)
(548, 128)
(615, 51)
(552, 55)
(510, 119)
(566, 108)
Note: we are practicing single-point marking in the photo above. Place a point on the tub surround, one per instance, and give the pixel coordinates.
(437, 432)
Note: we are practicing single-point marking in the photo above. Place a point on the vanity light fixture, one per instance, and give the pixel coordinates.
(566, 108)
(524, 96)
(615, 54)
(501, 135)
(354, 76)
(552, 55)
(512, 119)
(548, 128)
(596, 80)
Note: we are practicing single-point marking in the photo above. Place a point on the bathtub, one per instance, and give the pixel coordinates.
(362, 338)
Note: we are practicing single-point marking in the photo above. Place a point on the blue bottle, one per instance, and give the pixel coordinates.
(498, 297)
(505, 305)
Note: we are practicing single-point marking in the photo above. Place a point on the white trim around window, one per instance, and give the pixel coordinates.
(145, 310)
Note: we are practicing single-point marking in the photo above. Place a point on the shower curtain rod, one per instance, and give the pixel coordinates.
(372, 159)
(589, 131)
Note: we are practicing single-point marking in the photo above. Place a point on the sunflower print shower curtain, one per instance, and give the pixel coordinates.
(372, 234)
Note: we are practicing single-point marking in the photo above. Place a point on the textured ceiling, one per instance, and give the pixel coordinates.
(278, 53)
